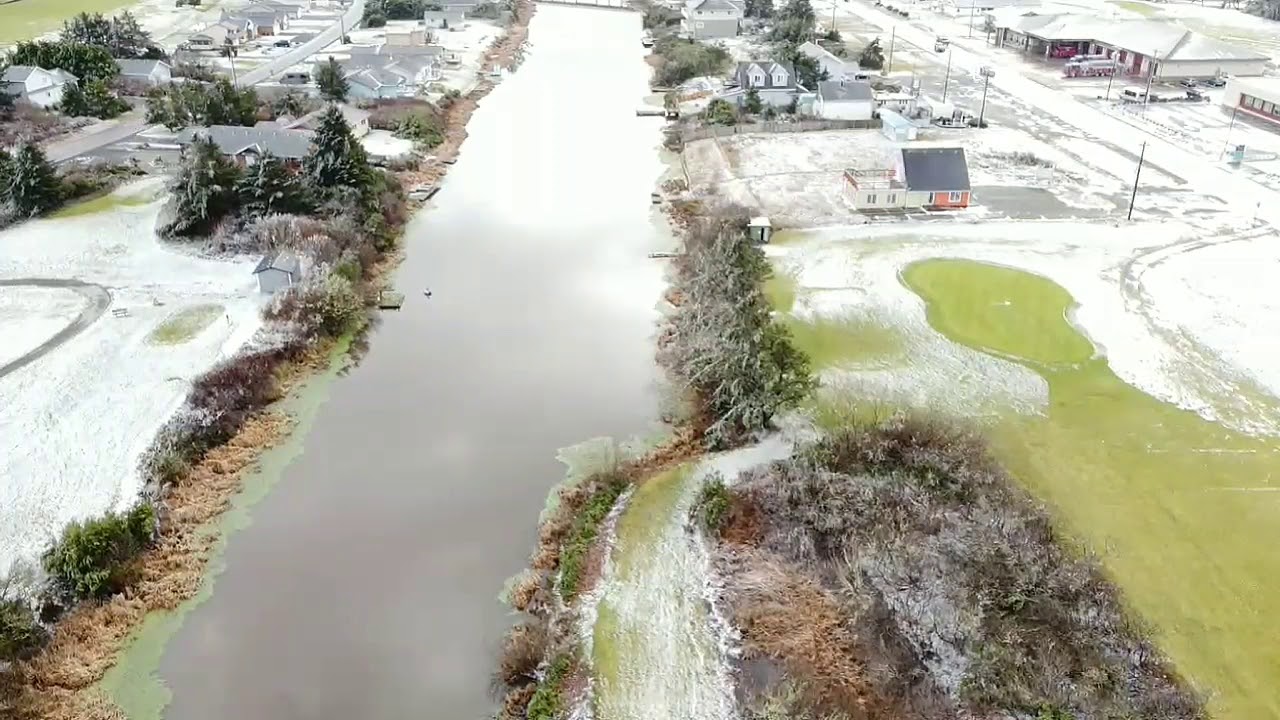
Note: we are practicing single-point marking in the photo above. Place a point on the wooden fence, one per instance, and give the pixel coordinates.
(690, 134)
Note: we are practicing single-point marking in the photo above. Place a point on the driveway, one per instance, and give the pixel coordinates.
(127, 125)
(98, 296)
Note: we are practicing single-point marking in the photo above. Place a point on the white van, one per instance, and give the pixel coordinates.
(1133, 94)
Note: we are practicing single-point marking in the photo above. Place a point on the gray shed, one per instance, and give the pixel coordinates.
(278, 271)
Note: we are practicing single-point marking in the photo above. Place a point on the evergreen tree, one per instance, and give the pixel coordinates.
(203, 191)
(7, 106)
(752, 103)
(6, 171)
(101, 102)
(86, 62)
(332, 81)
(269, 187)
(87, 29)
(34, 186)
(759, 9)
(872, 56)
(337, 158)
(73, 102)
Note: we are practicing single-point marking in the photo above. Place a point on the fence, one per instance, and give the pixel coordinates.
(702, 133)
(351, 16)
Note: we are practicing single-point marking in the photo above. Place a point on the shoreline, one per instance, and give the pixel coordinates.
(62, 680)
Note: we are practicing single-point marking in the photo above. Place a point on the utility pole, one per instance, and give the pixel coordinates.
(972, 6)
(1227, 142)
(946, 80)
(1155, 60)
(1115, 68)
(230, 51)
(1134, 195)
(987, 74)
(893, 35)
(833, 14)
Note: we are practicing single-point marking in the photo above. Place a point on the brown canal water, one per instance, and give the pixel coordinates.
(366, 584)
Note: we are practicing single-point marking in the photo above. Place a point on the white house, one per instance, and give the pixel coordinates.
(709, 19)
(152, 72)
(40, 87)
(837, 68)
(357, 120)
(774, 82)
(210, 38)
(378, 84)
(844, 100)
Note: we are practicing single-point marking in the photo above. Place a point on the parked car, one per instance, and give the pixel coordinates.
(1218, 81)
(1196, 96)
(940, 44)
(1188, 84)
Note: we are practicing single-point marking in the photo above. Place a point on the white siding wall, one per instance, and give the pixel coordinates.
(704, 26)
(844, 109)
(45, 97)
(1209, 68)
(864, 199)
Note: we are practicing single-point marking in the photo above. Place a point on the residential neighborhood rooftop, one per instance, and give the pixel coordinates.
(233, 140)
(935, 169)
(1162, 40)
(284, 261)
(139, 67)
(834, 90)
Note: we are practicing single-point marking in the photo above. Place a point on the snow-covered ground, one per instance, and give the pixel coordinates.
(1140, 287)
(74, 422)
(381, 143)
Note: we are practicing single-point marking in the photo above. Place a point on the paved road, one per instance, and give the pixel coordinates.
(326, 37)
(99, 298)
(64, 149)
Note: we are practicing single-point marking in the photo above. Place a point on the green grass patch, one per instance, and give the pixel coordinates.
(25, 19)
(185, 324)
(99, 204)
(999, 310)
(1134, 6)
(1182, 511)
(711, 508)
(780, 289)
(829, 342)
(548, 701)
(586, 528)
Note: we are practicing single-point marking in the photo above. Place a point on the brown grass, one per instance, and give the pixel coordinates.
(787, 617)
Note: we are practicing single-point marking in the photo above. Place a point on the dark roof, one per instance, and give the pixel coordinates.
(935, 169)
(284, 261)
(233, 140)
(139, 67)
(831, 90)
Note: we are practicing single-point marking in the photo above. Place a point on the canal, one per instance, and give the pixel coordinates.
(366, 585)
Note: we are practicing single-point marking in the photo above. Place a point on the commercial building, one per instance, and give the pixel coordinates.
(1140, 47)
(1259, 97)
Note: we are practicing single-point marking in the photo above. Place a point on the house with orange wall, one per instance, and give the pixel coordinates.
(936, 178)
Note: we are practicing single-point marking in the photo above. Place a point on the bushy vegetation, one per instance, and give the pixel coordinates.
(96, 558)
(548, 701)
(20, 632)
(721, 112)
(120, 35)
(981, 608)
(378, 12)
(86, 62)
(91, 99)
(722, 341)
(180, 105)
(711, 509)
(586, 528)
(872, 56)
(682, 60)
(331, 80)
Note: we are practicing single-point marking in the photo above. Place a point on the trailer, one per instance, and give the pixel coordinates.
(1089, 68)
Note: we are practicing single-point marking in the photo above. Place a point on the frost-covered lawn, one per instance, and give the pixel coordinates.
(74, 422)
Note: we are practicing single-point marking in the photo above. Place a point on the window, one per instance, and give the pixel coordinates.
(779, 79)
(930, 202)
(698, 25)
(891, 198)
(954, 197)
(757, 80)
(871, 199)
(1268, 107)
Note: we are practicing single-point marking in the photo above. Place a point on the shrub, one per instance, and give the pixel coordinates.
(712, 506)
(20, 633)
(548, 701)
(95, 558)
(522, 652)
(605, 491)
(686, 59)
(720, 112)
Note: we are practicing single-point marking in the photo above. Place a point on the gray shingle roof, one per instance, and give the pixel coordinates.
(715, 6)
(832, 90)
(138, 67)
(17, 73)
(768, 66)
(285, 261)
(935, 169)
(233, 140)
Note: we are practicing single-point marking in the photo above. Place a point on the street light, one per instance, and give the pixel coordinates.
(987, 73)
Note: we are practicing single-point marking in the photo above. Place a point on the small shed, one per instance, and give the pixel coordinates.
(278, 271)
(896, 127)
(760, 229)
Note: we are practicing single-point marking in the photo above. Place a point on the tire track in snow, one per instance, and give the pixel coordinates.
(99, 299)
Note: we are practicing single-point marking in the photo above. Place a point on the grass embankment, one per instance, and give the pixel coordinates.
(1166, 497)
(103, 203)
(185, 324)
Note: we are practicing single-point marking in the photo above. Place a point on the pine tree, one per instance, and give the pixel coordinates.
(101, 102)
(33, 186)
(6, 171)
(73, 102)
(269, 187)
(203, 191)
(332, 81)
(337, 158)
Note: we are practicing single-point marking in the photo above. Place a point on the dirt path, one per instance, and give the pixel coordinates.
(99, 298)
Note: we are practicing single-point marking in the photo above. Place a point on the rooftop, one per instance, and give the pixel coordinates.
(139, 67)
(233, 140)
(935, 169)
(1164, 40)
(832, 90)
(285, 261)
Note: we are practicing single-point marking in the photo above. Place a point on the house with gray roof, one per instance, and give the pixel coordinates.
(245, 145)
(839, 100)
(151, 72)
(40, 87)
(774, 82)
(266, 19)
(378, 84)
(710, 19)
(278, 271)
(936, 178)
(836, 67)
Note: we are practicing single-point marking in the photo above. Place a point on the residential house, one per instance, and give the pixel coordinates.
(378, 84)
(406, 37)
(936, 178)
(900, 102)
(290, 12)
(710, 19)
(301, 6)
(933, 178)
(244, 145)
(278, 271)
(40, 87)
(239, 29)
(266, 20)
(774, 82)
(444, 19)
(151, 72)
(213, 37)
(296, 75)
(416, 65)
(844, 100)
(837, 68)
(356, 118)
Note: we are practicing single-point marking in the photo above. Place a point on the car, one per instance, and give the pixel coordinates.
(1216, 81)
(1188, 83)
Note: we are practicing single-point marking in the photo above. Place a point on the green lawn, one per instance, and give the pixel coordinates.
(829, 342)
(99, 204)
(185, 324)
(25, 19)
(1183, 512)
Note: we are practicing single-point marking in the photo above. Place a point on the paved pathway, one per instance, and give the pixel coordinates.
(98, 296)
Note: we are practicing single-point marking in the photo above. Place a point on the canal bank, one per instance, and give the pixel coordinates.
(366, 584)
